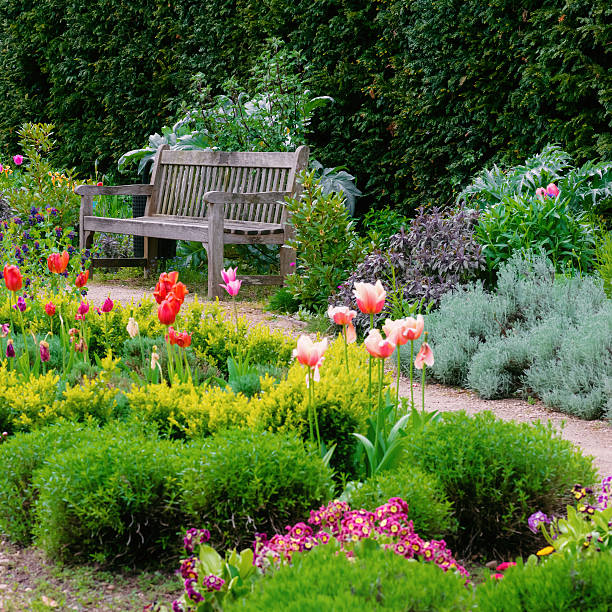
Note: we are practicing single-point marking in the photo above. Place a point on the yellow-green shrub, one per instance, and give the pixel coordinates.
(188, 411)
(341, 401)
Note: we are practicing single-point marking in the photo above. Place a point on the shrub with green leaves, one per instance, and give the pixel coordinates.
(242, 482)
(428, 506)
(561, 582)
(328, 247)
(114, 499)
(20, 457)
(375, 579)
(495, 473)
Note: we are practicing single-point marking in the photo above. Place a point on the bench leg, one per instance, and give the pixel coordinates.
(215, 250)
(150, 253)
(287, 260)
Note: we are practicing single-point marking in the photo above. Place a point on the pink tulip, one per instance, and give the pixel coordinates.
(552, 190)
(18, 159)
(232, 287)
(370, 298)
(310, 353)
(413, 328)
(343, 315)
(425, 355)
(541, 192)
(229, 275)
(108, 305)
(44, 351)
(377, 346)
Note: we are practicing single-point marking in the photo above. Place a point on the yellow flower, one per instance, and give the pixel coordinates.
(547, 550)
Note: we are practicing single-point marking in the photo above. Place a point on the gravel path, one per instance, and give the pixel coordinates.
(593, 437)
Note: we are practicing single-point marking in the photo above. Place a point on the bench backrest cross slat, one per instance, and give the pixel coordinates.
(183, 177)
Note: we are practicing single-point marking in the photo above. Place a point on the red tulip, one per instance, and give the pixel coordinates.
(12, 278)
(81, 279)
(166, 313)
(50, 308)
(57, 263)
(184, 339)
(370, 298)
(107, 306)
(165, 285)
(377, 347)
(180, 291)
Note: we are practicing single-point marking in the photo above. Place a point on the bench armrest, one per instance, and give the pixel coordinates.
(93, 190)
(263, 197)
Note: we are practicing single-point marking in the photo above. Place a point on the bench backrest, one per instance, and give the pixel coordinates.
(181, 179)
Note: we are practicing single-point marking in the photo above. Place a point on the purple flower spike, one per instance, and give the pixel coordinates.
(536, 519)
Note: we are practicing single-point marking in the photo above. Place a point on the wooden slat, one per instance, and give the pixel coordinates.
(224, 158)
(91, 190)
(167, 187)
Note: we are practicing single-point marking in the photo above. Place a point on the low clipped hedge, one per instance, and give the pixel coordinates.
(111, 499)
(375, 579)
(428, 507)
(243, 482)
(495, 473)
(562, 582)
(20, 458)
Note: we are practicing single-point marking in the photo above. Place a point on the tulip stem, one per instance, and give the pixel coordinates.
(344, 334)
(312, 404)
(370, 368)
(397, 348)
(411, 372)
(423, 385)
(25, 340)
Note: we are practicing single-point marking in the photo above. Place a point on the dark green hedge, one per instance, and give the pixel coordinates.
(427, 91)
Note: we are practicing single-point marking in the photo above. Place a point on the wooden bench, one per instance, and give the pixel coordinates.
(212, 197)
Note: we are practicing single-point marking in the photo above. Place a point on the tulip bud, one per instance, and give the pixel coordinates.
(132, 327)
(44, 351)
(108, 305)
(10, 349)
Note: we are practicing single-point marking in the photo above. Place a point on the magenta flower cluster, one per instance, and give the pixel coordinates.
(208, 584)
(388, 525)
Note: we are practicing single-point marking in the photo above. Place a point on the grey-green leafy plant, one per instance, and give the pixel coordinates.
(584, 188)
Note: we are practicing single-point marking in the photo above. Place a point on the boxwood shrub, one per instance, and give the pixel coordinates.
(428, 506)
(241, 482)
(113, 499)
(375, 580)
(20, 457)
(496, 473)
(562, 582)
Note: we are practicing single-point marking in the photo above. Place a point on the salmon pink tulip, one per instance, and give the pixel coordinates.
(12, 278)
(377, 346)
(413, 328)
(58, 263)
(424, 356)
(166, 313)
(343, 315)
(310, 353)
(81, 279)
(370, 298)
(541, 192)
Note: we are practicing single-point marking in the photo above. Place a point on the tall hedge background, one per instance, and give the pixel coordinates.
(427, 91)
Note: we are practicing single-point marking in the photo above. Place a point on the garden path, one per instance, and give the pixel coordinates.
(593, 437)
